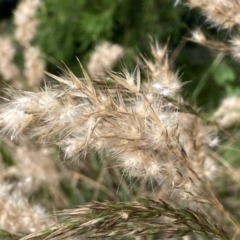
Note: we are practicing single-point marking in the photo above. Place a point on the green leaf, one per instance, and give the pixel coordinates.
(224, 74)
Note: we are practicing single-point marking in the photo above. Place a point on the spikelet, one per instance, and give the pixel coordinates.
(26, 26)
(228, 113)
(104, 57)
(199, 38)
(24, 19)
(221, 13)
(235, 47)
(31, 172)
(13, 121)
(164, 81)
(8, 69)
(18, 216)
(196, 140)
(33, 66)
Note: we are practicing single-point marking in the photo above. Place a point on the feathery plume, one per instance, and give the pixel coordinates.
(25, 21)
(8, 69)
(221, 13)
(228, 113)
(104, 57)
(17, 216)
(164, 81)
(134, 124)
(31, 173)
(235, 47)
(33, 66)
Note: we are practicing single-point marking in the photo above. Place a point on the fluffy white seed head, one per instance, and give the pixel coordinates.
(235, 47)
(228, 113)
(8, 69)
(198, 36)
(104, 58)
(13, 121)
(24, 19)
(18, 216)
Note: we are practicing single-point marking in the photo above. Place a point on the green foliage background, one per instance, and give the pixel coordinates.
(70, 29)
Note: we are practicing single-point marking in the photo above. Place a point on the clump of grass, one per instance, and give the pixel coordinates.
(136, 121)
(132, 121)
